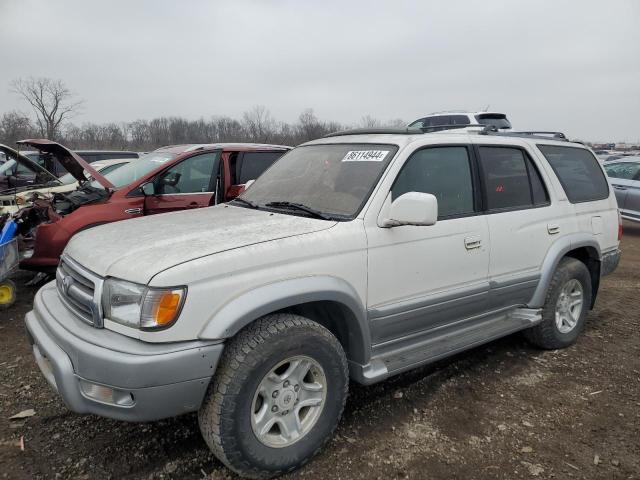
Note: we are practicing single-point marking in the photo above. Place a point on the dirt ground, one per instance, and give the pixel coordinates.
(502, 411)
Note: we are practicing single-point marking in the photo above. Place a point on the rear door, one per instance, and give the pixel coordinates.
(249, 166)
(189, 183)
(521, 227)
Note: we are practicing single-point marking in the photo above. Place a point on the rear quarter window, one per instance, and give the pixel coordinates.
(578, 171)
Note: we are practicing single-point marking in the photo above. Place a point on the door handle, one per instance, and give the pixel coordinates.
(133, 211)
(193, 205)
(619, 187)
(472, 242)
(552, 229)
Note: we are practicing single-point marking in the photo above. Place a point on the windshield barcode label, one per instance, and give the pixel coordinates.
(365, 156)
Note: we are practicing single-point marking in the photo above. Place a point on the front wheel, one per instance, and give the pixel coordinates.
(277, 396)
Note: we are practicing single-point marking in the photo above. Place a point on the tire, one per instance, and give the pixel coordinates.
(230, 413)
(571, 275)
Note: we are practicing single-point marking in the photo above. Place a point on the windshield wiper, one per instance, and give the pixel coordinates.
(299, 206)
(245, 202)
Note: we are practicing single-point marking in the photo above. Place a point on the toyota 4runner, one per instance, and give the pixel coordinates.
(356, 256)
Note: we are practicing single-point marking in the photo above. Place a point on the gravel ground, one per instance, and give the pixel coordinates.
(504, 410)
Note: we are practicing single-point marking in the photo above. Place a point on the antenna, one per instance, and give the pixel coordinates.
(487, 107)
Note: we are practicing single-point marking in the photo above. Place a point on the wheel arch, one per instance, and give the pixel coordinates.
(329, 301)
(582, 247)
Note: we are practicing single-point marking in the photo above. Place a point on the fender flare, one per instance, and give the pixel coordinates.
(558, 250)
(258, 302)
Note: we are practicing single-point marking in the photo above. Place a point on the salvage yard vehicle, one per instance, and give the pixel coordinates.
(359, 255)
(624, 175)
(452, 119)
(49, 162)
(20, 171)
(13, 199)
(172, 178)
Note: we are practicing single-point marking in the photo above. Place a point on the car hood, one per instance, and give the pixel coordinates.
(143, 247)
(28, 163)
(71, 161)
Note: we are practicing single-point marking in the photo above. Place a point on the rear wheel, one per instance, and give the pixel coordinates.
(277, 396)
(566, 306)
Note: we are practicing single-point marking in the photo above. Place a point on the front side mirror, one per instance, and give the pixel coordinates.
(413, 208)
(148, 189)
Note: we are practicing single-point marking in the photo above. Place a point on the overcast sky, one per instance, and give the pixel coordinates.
(567, 65)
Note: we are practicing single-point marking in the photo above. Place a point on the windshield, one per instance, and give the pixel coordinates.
(136, 169)
(498, 120)
(335, 180)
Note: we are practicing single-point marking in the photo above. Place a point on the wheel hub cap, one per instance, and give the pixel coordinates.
(569, 306)
(288, 401)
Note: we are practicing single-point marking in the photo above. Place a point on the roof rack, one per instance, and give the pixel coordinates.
(373, 131)
(541, 134)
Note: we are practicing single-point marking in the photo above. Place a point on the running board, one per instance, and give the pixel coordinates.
(435, 346)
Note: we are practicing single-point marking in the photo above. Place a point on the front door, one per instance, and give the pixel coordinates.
(423, 277)
(625, 180)
(187, 184)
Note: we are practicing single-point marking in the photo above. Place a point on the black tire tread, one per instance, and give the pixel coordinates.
(234, 367)
(543, 335)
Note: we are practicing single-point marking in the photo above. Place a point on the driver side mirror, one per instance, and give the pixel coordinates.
(148, 189)
(413, 208)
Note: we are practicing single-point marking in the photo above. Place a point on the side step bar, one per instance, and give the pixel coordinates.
(433, 346)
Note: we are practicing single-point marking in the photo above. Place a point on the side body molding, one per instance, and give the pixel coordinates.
(558, 250)
(253, 304)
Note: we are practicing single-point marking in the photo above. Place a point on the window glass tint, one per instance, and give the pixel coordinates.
(253, 164)
(192, 175)
(506, 179)
(496, 119)
(538, 191)
(110, 168)
(578, 172)
(132, 171)
(625, 171)
(443, 172)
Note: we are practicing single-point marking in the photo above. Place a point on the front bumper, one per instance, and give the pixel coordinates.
(609, 262)
(149, 381)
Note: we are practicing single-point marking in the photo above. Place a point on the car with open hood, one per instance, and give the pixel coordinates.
(14, 199)
(171, 178)
(18, 172)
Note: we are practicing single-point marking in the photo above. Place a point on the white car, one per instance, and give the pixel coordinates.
(21, 197)
(355, 256)
(460, 119)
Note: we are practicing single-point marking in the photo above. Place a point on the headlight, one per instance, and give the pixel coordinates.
(140, 306)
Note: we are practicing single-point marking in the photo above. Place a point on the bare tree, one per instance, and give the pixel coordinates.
(15, 126)
(259, 124)
(52, 101)
(367, 121)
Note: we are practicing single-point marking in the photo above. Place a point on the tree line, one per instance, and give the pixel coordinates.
(53, 105)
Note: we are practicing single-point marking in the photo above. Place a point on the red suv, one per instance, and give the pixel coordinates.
(170, 178)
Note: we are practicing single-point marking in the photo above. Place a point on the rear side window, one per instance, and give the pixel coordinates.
(578, 172)
(253, 164)
(458, 120)
(442, 171)
(510, 179)
(624, 171)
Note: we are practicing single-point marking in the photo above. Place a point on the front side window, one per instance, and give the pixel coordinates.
(578, 171)
(193, 175)
(444, 172)
(333, 179)
(510, 179)
(624, 171)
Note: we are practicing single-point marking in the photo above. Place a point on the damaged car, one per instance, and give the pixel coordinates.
(19, 171)
(168, 179)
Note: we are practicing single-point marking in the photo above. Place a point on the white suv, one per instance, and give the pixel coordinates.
(459, 119)
(354, 256)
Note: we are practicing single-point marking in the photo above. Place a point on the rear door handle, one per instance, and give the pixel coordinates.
(553, 228)
(472, 242)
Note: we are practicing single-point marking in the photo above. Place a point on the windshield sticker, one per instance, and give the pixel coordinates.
(365, 156)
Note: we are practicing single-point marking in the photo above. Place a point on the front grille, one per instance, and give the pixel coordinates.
(80, 290)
